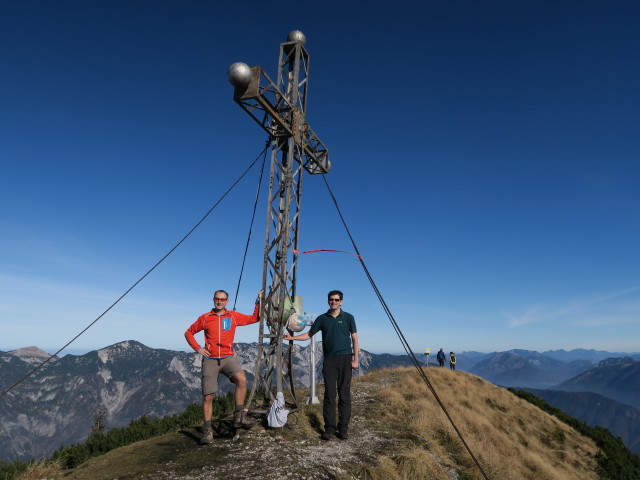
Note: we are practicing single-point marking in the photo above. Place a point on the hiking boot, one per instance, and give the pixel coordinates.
(327, 436)
(207, 436)
(342, 435)
(242, 419)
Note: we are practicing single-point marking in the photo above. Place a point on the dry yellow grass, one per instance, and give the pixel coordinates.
(41, 470)
(512, 439)
(385, 470)
(418, 463)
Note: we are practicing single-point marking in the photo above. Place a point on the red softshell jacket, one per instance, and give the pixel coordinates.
(219, 330)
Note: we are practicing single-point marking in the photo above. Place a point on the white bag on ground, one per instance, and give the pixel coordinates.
(277, 416)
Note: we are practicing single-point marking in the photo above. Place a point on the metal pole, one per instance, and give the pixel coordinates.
(312, 370)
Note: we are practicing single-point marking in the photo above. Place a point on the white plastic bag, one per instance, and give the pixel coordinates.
(277, 416)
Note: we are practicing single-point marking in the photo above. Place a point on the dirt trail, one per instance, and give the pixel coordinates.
(269, 454)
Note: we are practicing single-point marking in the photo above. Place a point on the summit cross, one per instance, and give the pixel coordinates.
(280, 109)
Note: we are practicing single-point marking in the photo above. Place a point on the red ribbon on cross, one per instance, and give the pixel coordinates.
(358, 257)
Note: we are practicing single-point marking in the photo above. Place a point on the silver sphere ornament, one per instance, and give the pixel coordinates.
(297, 36)
(239, 74)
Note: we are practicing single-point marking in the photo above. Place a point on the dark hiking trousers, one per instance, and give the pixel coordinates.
(337, 379)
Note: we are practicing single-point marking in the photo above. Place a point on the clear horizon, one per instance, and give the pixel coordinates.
(78, 352)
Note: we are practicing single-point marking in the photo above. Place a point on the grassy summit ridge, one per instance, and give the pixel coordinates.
(397, 432)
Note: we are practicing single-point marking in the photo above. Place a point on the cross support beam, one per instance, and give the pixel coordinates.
(270, 108)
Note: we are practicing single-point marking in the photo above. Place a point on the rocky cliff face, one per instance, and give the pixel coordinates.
(56, 406)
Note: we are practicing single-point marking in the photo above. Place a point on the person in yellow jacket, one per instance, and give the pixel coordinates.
(452, 360)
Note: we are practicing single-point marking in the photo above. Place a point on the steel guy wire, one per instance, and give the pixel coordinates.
(253, 216)
(42, 364)
(401, 336)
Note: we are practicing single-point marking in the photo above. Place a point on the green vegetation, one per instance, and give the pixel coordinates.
(616, 462)
(10, 470)
(559, 436)
(463, 475)
(100, 442)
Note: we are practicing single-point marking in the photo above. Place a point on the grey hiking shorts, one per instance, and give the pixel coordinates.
(212, 367)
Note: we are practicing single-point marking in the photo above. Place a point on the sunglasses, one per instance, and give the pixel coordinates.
(334, 300)
(220, 299)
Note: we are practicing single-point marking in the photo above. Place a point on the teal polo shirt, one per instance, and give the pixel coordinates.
(336, 333)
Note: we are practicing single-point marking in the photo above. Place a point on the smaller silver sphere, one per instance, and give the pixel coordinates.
(297, 36)
(239, 74)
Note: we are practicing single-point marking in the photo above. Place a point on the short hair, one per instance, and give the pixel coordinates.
(335, 292)
(220, 291)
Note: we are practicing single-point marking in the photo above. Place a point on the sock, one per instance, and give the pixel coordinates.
(239, 408)
(207, 424)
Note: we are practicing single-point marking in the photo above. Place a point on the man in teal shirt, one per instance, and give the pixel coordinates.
(339, 334)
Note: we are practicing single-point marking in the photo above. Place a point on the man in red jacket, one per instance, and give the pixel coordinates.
(219, 327)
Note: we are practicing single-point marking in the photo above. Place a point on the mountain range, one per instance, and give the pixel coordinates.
(57, 405)
(532, 369)
(617, 378)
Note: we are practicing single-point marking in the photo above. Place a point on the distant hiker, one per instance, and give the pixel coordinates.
(219, 327)
(339, 333)
(441, 358)
(452, 360)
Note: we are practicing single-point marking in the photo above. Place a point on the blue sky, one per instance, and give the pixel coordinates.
(485, 156)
